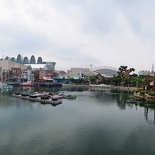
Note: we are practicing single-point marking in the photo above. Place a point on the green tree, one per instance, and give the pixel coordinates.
(116, 80)
(123, 72)
(93, 78)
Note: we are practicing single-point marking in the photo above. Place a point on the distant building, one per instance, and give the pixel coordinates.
(7, 65)
(45, 66)
(15, 73)
(106, 71)
(145, 72)
(25, 60)
(27, 75)
(11, 67)
(79, 72)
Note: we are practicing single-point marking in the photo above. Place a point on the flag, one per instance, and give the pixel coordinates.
(147, 82)
(154, 83)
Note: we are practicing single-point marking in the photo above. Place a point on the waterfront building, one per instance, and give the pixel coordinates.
(27, 75)
(14, 69)
(10, 70)
(43, 74)
(15, 74)
(79, 72)
(7, 65)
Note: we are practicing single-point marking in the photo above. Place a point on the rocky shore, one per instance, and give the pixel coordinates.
(145, 97)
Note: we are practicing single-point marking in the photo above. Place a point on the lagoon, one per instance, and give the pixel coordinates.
(96, 123)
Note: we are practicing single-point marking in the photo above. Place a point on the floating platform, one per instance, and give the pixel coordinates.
(38, 99)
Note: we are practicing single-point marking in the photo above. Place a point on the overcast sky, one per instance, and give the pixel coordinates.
(77, 33)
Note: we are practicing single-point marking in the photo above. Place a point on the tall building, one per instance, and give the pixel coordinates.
(32, 61)
(26, 60)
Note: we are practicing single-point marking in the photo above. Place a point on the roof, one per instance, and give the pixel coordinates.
(47, 78)
(36, 65)
(107, 72)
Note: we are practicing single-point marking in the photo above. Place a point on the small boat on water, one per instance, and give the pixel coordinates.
(33, 96)
(45, 96)
(57, 97)
(27, 84)
(70, 97)
(132, 100)
(23, 94)
(17, 93)
(4, 86)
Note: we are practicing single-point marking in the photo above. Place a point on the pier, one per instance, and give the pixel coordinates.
(45, 98)
(38, 99)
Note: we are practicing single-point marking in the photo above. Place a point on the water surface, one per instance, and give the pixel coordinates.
(95, 123)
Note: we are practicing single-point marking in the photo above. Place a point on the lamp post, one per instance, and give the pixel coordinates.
(91, 68)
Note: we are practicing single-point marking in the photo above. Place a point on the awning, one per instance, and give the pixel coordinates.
(47, 78)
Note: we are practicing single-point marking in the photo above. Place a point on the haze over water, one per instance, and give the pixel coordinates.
(95, 123)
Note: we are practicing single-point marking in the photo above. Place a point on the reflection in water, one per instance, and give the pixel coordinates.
(97, 122)
(146, 113)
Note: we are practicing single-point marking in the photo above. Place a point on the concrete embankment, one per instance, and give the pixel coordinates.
(73, 85)
(101, 86)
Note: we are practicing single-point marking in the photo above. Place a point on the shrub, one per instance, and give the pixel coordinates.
(151, 93)
(142, 92)
(138, 90)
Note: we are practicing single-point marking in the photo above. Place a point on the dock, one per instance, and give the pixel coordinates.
(38, 99)
(44, 98)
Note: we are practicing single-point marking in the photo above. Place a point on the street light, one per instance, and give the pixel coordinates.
(91, 68)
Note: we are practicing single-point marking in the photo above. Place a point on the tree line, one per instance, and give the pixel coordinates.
(123, 78)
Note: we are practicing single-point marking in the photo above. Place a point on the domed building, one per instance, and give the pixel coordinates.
(19, 59)
(26, 60)
(32, 60)
(13, 59)
(8, 58)
(106, 71)
(39, 61)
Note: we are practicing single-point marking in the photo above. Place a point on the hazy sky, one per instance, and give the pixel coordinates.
(77, 33)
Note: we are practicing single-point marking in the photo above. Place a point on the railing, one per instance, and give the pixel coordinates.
(36, 83)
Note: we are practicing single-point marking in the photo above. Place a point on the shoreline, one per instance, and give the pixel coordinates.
(101, 86)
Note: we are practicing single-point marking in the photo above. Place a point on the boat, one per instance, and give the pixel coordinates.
(4, 86)
(17, 93)
(27, 84)
(23, 94)
(132, 100)
(70, 97)
(45, 96)
(33, 96)
(57, 97)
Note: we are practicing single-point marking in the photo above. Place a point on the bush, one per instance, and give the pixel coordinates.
(142, 92)
(138, 90)
(151, 93)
